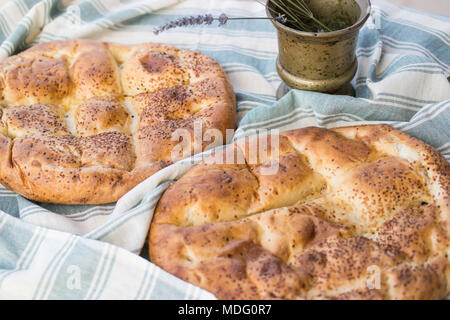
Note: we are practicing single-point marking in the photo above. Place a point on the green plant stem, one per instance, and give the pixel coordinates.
(301, 6)
(304, 9)
(287, 11)
(295, 11)
(298, 23)
(321, 24)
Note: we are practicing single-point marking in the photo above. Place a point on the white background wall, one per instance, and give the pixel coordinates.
(433, 6)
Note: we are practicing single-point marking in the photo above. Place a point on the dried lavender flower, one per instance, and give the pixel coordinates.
(207, 19)
(297, 13)
(223, 18)
(185, 21)
(281, 18)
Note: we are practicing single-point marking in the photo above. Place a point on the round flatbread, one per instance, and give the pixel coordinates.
(85, 121)
(358, 212)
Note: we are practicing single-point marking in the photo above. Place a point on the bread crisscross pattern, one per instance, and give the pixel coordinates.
(357, 212)
(84, 121)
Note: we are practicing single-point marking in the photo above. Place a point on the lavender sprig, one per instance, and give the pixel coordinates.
(208, 19)
(299, 14)
(185, 21)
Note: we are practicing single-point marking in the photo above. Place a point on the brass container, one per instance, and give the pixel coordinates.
(326, 61)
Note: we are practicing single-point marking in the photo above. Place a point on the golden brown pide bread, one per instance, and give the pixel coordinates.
(85, 121)
(352, 213)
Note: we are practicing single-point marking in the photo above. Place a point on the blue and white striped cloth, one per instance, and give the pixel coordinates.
(95, 252)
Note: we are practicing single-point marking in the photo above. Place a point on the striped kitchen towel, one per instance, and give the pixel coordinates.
(95, 252)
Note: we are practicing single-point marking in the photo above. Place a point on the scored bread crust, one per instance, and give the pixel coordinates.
(359, 212)
(84, 121)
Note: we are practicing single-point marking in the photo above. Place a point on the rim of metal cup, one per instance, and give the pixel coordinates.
(354, 27)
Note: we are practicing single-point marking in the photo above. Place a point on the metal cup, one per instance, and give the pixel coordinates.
(325, 61)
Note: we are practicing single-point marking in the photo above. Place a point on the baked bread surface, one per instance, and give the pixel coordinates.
(85, 121)
(358, 212)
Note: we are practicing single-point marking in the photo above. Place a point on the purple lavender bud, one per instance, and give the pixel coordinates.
(281, 18)
(191, 20)
(198, 20)
(185, 21)
(177, 22)
(209, 19)
(222, 19)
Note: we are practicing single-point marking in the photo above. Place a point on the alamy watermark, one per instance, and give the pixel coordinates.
(261, 149)
(373, 280)
(73, 281)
